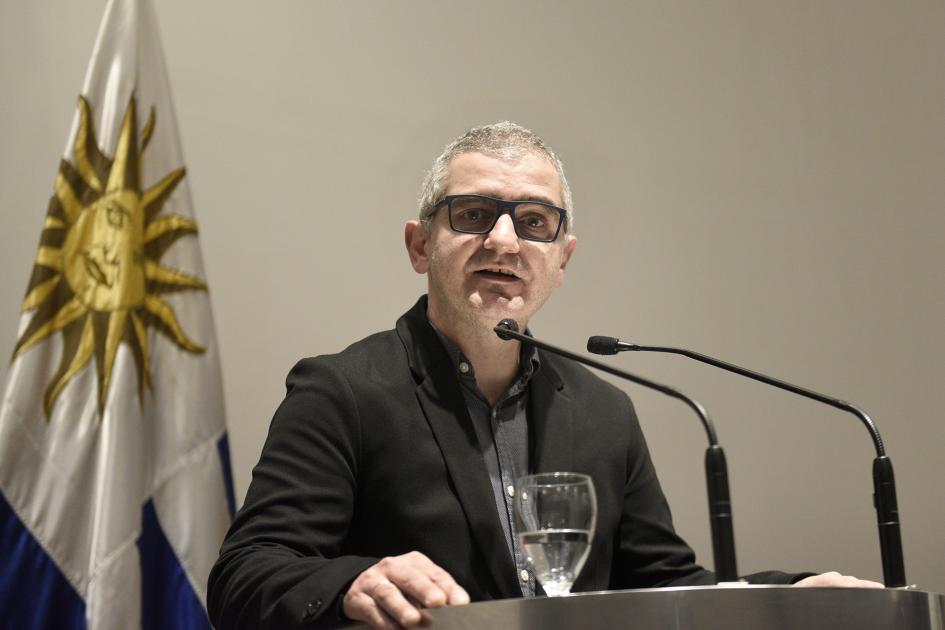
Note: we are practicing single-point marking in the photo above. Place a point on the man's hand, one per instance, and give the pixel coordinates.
(835, 579)
(390, 594)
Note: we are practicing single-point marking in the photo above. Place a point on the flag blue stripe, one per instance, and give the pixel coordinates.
(34, 593)
(224, 447)
(167, 598)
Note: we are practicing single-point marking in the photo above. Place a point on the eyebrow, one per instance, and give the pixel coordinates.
(537, 198)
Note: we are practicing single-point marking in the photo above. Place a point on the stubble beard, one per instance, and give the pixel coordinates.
(470, 312)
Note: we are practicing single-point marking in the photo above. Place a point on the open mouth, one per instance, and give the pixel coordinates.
(500, 275)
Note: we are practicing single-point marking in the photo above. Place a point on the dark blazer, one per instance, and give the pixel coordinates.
(372, 453)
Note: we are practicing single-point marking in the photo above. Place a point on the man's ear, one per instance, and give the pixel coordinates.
(569, 245)
(416, 239)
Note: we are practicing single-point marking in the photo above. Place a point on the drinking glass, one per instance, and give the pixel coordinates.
(554, 515)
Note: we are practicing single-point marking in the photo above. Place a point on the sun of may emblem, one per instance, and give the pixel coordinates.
(97, 276)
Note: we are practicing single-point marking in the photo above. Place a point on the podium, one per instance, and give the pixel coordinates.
(747, 607)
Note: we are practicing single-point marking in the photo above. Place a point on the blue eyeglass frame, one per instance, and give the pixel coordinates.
(505, 207)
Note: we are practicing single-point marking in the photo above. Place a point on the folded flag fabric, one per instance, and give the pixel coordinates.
(115, 487)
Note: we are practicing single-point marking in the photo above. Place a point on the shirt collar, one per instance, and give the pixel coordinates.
(528, 362)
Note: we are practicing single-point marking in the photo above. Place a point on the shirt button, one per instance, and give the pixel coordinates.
(524, 575)
(510, 490)
(464, 367)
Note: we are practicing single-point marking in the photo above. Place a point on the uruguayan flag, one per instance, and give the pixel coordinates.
(114, 475)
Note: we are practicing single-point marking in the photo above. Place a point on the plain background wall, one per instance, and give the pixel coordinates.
(761, 181)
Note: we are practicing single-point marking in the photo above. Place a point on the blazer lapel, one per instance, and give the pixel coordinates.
(552, 420)
(445, 409)
(456, 437)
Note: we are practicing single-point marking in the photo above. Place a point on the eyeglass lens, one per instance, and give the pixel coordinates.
(476, 215)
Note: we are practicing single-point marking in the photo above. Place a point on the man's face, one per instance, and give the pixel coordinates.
(479, 279)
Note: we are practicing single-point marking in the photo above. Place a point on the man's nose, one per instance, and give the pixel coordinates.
(502, 238)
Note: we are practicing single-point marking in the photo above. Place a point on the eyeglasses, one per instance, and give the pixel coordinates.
(478, 214)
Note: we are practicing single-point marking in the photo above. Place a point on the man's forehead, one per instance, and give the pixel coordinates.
(529, 175)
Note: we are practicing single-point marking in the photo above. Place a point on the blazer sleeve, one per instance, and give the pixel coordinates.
(282, 564)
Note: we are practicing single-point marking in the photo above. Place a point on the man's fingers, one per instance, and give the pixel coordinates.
(362, 607)
(392, 601)
(837, 580)
(455, 594)
(424, 581)
(458, 596)
(394, 592)
(421, 589)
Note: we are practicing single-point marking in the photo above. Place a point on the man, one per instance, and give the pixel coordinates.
(384, 486)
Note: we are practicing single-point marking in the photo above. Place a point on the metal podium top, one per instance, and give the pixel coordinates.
(706, 608)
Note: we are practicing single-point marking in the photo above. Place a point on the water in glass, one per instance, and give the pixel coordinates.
(555, 514)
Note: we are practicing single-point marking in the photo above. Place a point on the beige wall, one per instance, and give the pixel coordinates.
(762, 181)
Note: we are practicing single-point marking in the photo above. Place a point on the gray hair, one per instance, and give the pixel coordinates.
(504, 140)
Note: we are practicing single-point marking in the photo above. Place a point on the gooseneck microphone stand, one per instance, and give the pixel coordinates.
(716, 469)
(884, 483)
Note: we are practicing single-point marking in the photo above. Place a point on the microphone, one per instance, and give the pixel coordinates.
(504, 327)
(884, 483)
(716, 469)
(607, 345)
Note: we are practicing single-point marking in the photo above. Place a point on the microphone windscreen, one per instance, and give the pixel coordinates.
(602, 345)
(506, 324)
